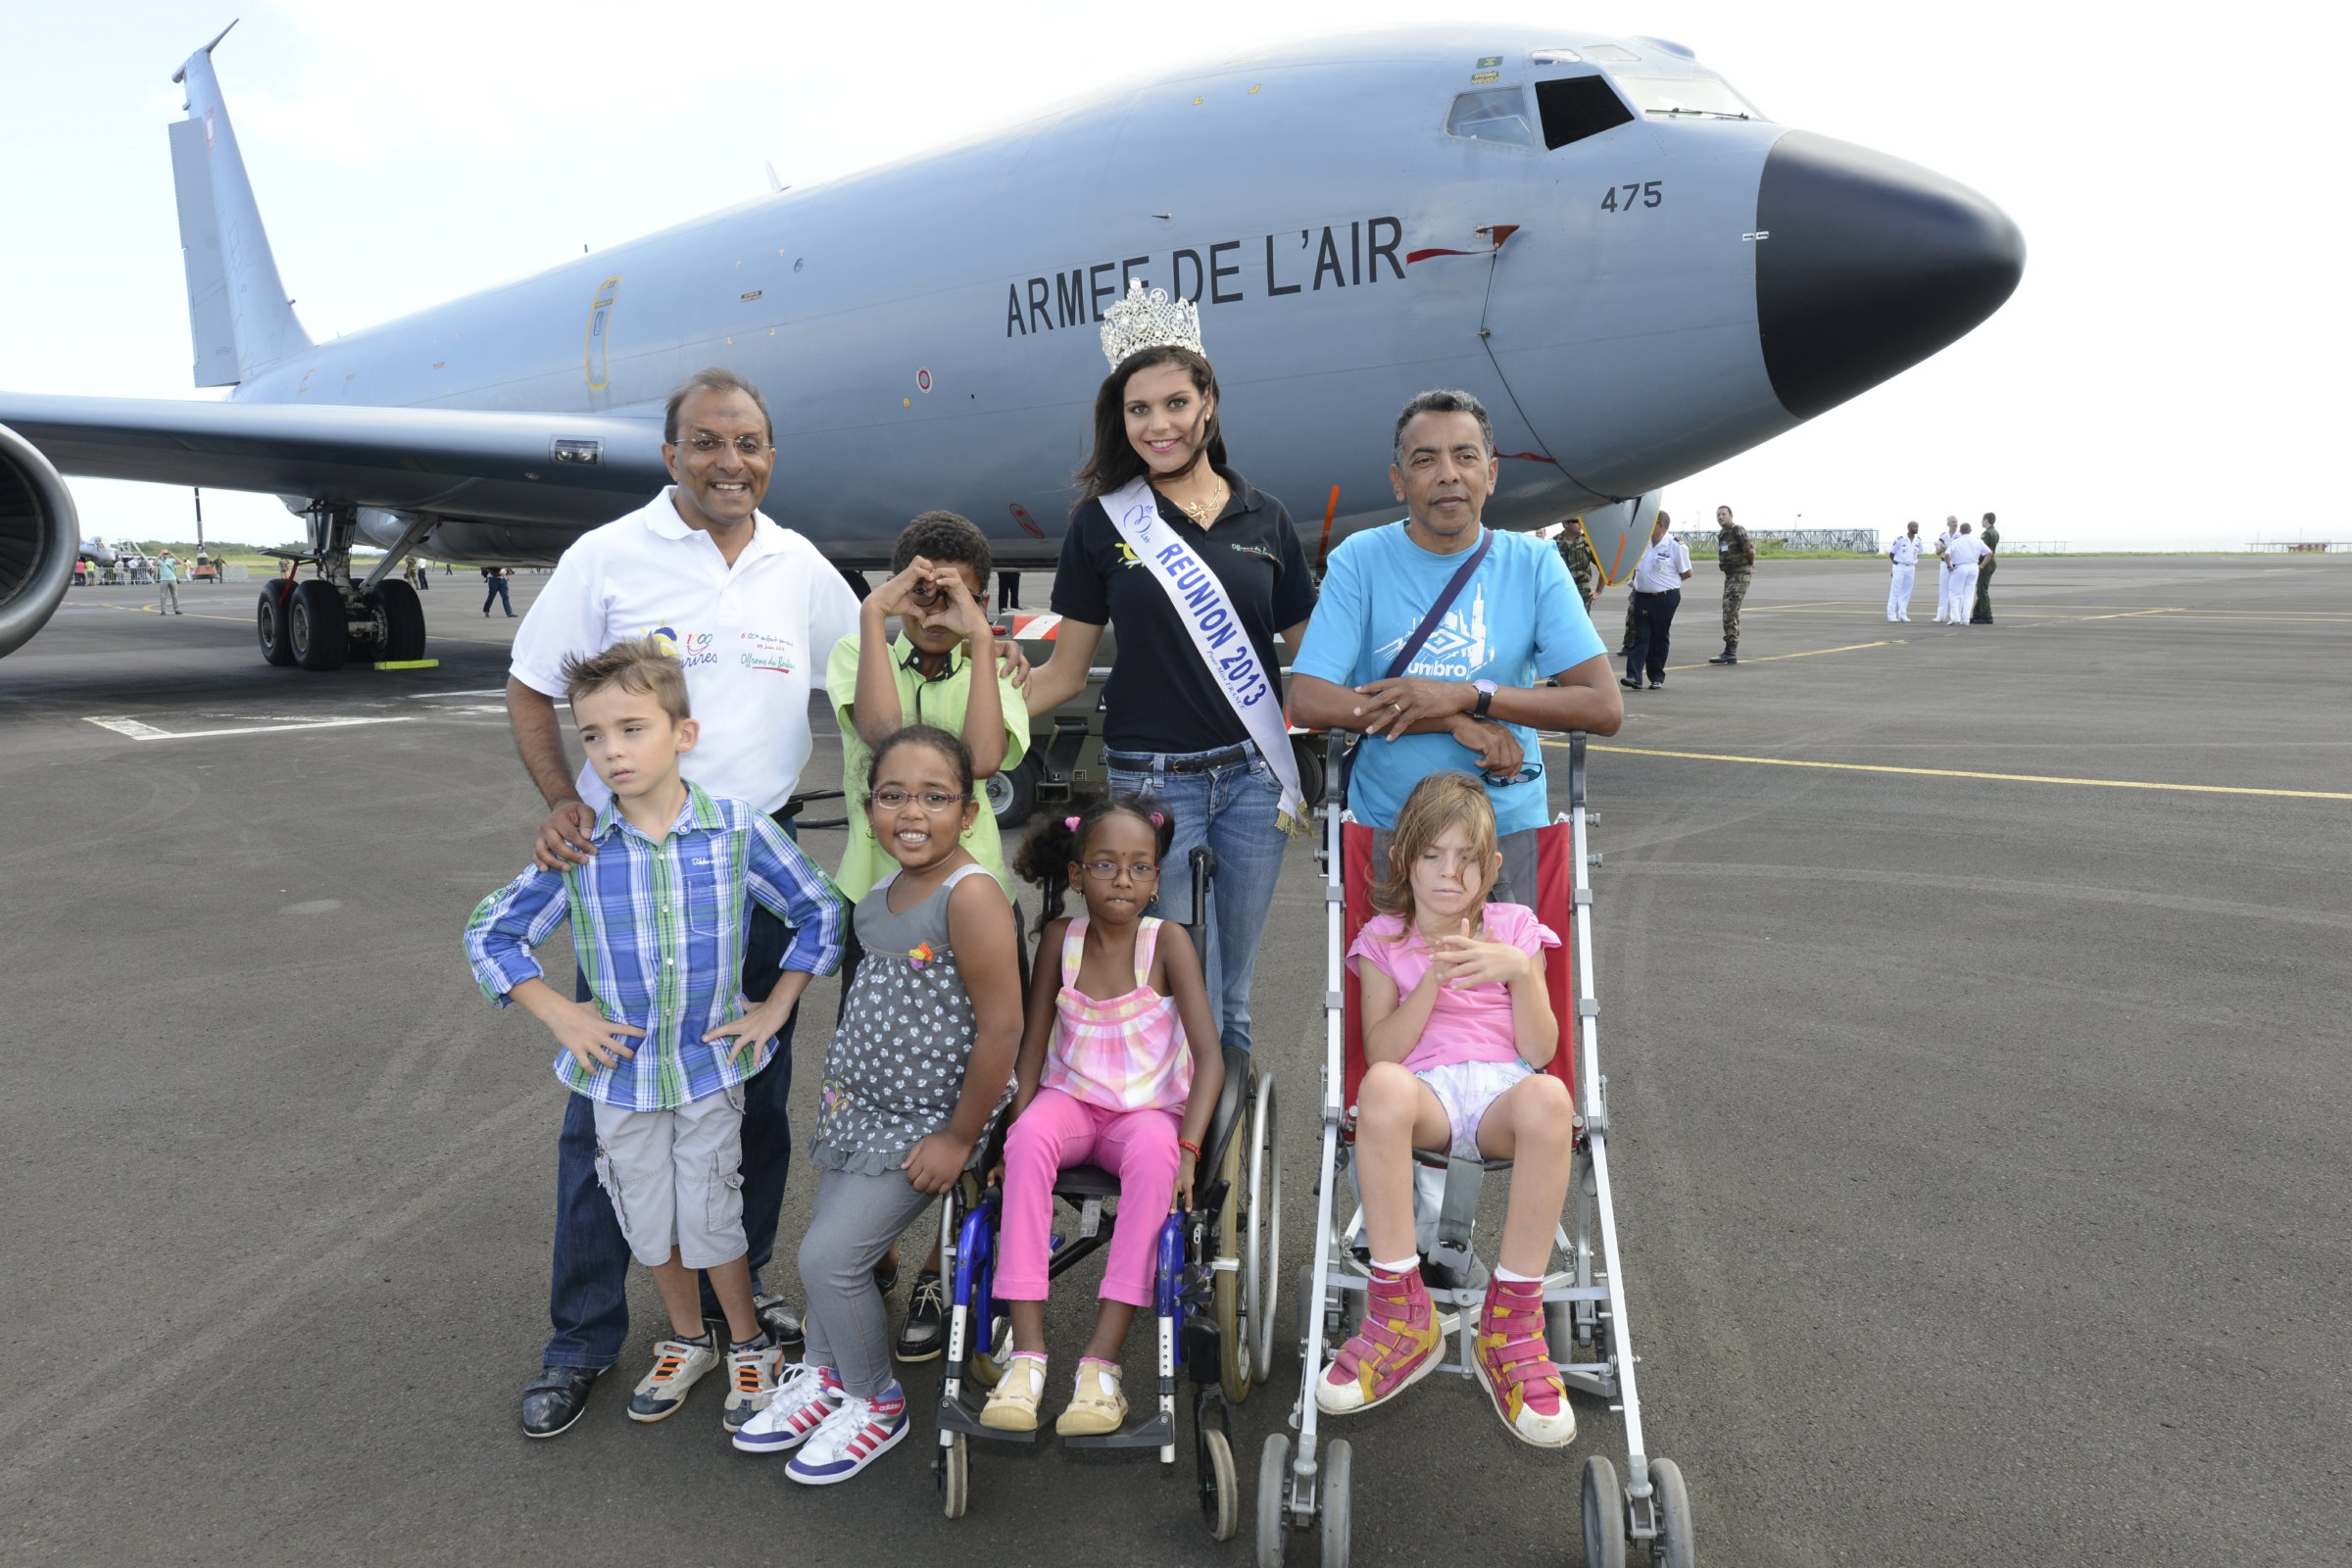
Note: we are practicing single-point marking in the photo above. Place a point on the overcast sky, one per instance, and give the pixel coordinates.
(2166, 375)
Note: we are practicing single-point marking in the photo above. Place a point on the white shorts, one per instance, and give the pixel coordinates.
(1465, 1089)
(675, 1178)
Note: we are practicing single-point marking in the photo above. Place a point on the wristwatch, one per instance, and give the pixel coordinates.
(1486, 698)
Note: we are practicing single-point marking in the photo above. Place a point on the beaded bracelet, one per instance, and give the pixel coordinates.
(1189, 1147)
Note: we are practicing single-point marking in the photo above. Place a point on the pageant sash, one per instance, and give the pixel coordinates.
(1217, 634)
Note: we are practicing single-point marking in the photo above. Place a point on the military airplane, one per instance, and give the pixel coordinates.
(1638, 272)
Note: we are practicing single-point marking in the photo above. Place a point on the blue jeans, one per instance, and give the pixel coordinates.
(1232, 809)
(588, 1300)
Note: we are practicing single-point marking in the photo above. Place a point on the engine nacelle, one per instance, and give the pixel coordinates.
(39, 536)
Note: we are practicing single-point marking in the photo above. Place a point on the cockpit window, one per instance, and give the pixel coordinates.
(1575, 107)
(1491, 114)
(1687, 95)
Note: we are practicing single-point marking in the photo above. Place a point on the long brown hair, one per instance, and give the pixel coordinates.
(1114, 461)
(1437, 802)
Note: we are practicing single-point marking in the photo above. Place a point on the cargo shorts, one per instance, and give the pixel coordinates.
(675, 1178)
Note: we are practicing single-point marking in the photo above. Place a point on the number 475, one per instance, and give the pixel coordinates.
(1650, 193)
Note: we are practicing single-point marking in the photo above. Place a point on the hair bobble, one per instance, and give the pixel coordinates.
(1158, 820)
(1070, 822)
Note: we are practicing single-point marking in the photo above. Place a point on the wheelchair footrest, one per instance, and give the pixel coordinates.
(956, 1416)
(1155, 1432)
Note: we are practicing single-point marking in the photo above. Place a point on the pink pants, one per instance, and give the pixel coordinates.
(1055, 1132)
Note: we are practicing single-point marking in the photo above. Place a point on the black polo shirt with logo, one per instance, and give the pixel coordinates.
(1160, 695)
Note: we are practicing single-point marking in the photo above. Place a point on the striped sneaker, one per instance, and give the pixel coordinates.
(805, 1395)
(678, 1364)
(1396, 1347)
(1516, 1368)
(852, 1437)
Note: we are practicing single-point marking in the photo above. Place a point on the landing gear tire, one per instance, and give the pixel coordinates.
(1604, 1515)
(269, 620)
(400, 615)
(1013, 793)
(317, 627)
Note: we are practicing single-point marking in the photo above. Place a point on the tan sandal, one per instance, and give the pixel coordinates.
(1013, 1403)
(1096, 1407)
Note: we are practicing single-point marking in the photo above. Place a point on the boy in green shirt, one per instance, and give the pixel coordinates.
(938, 569)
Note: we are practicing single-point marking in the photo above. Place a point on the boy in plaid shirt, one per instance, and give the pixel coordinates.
(657, 923)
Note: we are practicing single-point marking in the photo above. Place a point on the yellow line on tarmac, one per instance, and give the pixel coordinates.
(2126, 615)
(1850, 648)
(1955, 773)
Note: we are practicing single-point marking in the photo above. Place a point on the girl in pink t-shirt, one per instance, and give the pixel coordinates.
(1456, 1027)
(1121, 1068)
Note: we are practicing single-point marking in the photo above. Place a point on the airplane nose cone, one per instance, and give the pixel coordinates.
(1871, 265)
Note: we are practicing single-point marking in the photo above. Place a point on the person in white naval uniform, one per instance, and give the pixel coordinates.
(1905, 556)
(1964, 555)
(1943, 565)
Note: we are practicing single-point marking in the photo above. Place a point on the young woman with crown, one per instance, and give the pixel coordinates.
(1198, 569)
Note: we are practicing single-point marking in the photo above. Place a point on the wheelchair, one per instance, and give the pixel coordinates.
(1586, 1328)
(1213, 1291)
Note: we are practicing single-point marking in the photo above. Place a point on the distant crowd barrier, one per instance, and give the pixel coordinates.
(2302, 546)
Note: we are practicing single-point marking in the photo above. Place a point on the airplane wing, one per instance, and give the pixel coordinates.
(553, 471)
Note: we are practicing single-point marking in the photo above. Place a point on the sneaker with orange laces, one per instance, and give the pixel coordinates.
(752, 1373)
(1514, 1365)
(678, 1364)
(1396, 1347)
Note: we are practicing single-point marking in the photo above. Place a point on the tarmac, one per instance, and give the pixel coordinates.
(1973, 1003)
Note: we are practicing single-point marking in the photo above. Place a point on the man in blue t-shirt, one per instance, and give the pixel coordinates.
(1470, 700)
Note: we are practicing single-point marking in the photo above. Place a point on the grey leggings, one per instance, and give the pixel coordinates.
(855, 1220)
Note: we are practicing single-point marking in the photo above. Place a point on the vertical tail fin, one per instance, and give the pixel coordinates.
(238, 314)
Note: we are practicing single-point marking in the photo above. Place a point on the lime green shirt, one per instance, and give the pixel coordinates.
(943, 703)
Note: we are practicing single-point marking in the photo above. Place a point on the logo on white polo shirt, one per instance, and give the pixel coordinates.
(770, 650)
(690, 649)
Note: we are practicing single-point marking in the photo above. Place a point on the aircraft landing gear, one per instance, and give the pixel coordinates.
(328, 620)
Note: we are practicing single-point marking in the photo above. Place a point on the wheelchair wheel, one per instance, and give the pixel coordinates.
(1221, 1488)
(1604, 1515)
(1339, 1525)
(1672, 1549)
(1262, 1267)
(954, 1478)
(1226, 1295)
(1273, 1492)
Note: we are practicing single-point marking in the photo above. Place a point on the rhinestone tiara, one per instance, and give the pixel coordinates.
(1149, 320)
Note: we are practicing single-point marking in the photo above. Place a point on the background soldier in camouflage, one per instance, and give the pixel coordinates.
(1981, 615)
(1736, 553)
(1576, 548)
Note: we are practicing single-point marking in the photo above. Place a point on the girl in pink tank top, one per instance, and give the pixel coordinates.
(1120, 1068)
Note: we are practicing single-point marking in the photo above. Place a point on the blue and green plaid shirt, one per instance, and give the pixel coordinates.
(659, 929)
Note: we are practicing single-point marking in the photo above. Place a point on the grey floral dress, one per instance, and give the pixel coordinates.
(894, 1069)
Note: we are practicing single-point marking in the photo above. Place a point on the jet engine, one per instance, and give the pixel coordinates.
(39, 536)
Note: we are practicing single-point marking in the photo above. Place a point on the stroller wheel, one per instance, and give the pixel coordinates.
(954, 1478)
(1339, 1461)
(1273, 1497)
(1672, 1549)
(1604, 1515)
(1221, 1488)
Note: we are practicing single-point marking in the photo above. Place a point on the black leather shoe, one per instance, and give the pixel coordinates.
(1629, 683)
(554, 1399)
(782, 1322)
(924, 1335)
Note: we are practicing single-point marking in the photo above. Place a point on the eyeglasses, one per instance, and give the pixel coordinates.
(701, 443)
(1108, 870)
(891, 800)
(1527, 771)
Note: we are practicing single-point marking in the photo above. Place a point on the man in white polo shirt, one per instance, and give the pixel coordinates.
(1905, 556)
(1659, 578)
(752, 612)
(1966, 554)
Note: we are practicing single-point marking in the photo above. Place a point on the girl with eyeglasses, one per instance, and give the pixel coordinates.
(1120, 1068)
(915, 1076)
